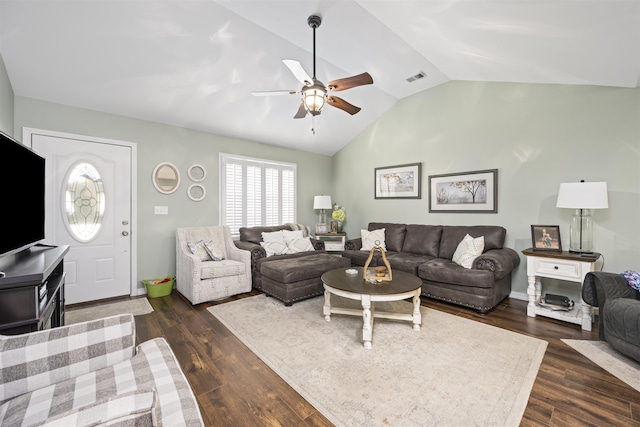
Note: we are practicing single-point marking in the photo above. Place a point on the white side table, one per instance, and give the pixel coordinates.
(561, 266)
(333, 242)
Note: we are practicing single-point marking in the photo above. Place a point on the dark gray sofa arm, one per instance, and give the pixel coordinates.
(500, 261)
(353, 244)
(318, 245)
(600, 286)
(256, 250)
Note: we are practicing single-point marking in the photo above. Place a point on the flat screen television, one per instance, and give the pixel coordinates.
(22, 175)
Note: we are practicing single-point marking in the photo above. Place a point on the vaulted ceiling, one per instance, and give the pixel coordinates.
(194, 64)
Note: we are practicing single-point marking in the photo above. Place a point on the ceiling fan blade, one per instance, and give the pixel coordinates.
(298, 71)
(340, 103)
(349, 82)
(302, 112)
(274, 92)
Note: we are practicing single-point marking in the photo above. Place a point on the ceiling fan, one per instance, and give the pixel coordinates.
(314, 93)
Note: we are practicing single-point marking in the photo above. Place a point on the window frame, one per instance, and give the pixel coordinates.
(264, 218)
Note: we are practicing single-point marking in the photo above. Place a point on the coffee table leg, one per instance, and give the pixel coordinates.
(326, 309)
(367, 318)
(417, 317)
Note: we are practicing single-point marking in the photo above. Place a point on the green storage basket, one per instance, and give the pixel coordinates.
(156, 289)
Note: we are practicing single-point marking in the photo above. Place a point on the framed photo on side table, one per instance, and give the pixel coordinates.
(322, 228)
(546, 238)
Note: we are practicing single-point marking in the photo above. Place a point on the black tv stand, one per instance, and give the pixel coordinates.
(44, 245)
(32, 290)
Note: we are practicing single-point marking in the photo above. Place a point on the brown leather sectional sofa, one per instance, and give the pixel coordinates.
(427, 252)
(290, 277)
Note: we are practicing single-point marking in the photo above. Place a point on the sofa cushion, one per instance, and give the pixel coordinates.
(452, 235)
(394, 234)
(405, 261)
(447, 271)
(468, 250)
(224, 268)
(359, 257)
(372, 238)
(422, 239)
(290, 270)
(128, 409)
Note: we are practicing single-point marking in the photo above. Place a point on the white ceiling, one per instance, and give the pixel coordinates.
(195, 63)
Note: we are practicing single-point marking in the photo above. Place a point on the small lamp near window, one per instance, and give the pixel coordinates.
(322, 203)
(582, 196)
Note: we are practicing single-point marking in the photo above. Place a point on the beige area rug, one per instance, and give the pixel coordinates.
(136, 306)
(603, 355)
(453, 372)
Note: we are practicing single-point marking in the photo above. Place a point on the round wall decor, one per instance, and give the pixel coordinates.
(196, 192)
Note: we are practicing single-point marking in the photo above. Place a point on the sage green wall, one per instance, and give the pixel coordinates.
(160, 143)
(6, 101)
(537, 136)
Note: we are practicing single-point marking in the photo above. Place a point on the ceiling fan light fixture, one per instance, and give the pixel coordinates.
(313, 98)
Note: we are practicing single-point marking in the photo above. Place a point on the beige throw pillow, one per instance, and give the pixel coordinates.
(290, 235)
(215, 251)
(274, 236)
(198, 250)
(468, 250)
(370, 238)
(299, 245)
(275, 248)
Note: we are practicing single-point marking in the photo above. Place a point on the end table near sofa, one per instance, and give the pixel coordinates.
(333, 242)
(561, 266)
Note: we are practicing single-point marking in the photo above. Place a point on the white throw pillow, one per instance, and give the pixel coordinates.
(274, 236)
(275, 248)
(369, 239)
(198, 250)
(468, 250)
(291, 235)
(299, 245)
(215, 251)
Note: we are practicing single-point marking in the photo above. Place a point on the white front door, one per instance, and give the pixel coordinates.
(89, 207)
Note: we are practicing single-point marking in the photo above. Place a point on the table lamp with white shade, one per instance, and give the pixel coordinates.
(582, 196)
(322, 203)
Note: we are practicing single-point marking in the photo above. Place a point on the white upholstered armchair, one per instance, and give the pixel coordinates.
(209, 266)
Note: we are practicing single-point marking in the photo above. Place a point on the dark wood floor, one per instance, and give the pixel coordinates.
(235, 388)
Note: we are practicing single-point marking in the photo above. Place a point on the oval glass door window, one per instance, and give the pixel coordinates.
(84, 202)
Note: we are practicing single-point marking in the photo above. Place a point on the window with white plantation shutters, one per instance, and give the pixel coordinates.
(256, 192)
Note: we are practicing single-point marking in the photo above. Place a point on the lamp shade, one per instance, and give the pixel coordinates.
(583, 195)
(322, 202)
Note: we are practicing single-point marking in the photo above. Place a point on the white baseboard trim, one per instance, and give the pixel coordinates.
(519, 295)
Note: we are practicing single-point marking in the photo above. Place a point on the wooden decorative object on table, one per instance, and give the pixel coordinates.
(379, 273)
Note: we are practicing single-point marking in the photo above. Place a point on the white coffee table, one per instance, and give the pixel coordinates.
(352, 286)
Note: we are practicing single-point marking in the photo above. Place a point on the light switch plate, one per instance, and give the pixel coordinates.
(161, 210)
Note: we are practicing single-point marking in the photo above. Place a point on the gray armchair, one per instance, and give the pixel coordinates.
(619, 318)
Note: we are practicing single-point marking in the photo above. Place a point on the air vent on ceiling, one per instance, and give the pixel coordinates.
(418, 76)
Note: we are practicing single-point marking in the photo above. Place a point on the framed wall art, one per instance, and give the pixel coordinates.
(546, 238)
(465, 192)
(398, 182)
